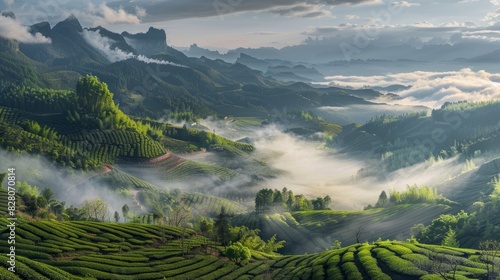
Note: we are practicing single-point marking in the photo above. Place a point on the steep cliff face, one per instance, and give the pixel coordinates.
(151, 42)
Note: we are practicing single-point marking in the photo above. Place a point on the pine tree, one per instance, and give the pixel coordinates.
(450, 239)
(383, 200)
(223, 227)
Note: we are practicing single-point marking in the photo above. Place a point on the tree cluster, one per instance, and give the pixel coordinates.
(412, 195)
(470, 227)
(39, 204)
(268, 200)
(222, 231)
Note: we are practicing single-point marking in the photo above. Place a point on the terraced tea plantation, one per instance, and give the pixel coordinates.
(103, 146)
(93, 250)
(205, 204)
(383, 260)
(173, 168)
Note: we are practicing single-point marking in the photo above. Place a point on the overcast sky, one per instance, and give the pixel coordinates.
(225, 24)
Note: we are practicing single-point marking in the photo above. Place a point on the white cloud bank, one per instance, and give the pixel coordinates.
(432, 89)
(12, 29)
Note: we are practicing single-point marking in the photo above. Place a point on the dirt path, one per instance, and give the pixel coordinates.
(136, 201)
(159, 158)
(107, 168)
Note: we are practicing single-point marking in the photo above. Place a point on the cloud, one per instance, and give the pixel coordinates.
(351, 17)
(405, 4)
(118, 16)
(105, 15)
(103, 44)
(163, 10)
(492, 17)
(432, 89)
(12, 29)
(9, 2)
(307, 11)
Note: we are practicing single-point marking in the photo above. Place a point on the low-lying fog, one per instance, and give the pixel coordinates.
(313, 170)
(67, 186)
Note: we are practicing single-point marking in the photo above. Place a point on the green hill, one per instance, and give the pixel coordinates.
(466, 128)
(74, 130)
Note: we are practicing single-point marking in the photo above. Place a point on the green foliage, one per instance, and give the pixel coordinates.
(375, 261)
(268, 200)
(95, 209)
(450, 239)
(413, 195)
(238, 253)
(37, 100)
(68, 140)
(336, 245)
(94, 103)
(207, 140)
(370, 265)
(495, 194)
(14, 138)
(321, 203)
(396, 263)
(383, 200)
(23, 188)
(222, 227)
(272, 245)
(351, 271)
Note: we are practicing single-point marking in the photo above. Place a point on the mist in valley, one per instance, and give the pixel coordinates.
(70, 186)
(309, 167)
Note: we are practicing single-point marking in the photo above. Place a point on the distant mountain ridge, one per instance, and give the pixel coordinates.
(152, 79)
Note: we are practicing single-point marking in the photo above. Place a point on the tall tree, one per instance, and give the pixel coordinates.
(125, 210)
(223, 227)
(291, 201)
(383, 200)
(278, 201)
(327, 200)
(117, 217)
(180, 215)
(95, 209)
(48, 194)
(450, 239)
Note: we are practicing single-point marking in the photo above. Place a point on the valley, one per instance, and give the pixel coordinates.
(136, 160)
